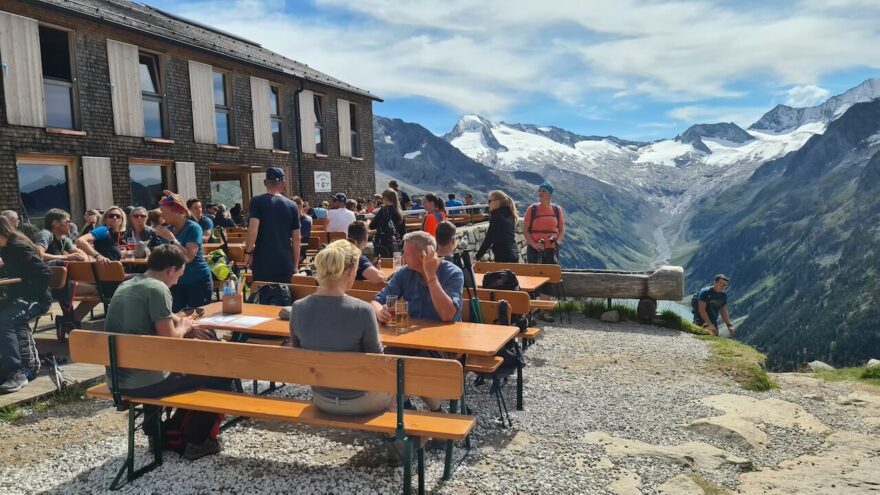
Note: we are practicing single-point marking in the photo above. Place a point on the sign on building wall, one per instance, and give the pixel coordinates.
(322, 182)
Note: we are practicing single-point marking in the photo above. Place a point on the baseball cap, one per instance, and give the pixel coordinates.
(341, 197)
(275, 174)
(547, 187)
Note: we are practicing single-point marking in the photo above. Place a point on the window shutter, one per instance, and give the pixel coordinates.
(260, 103)
(96, 173)
(257, 184)
(186, 179)
(125, 89)
(307, 121)
(22, 70)
(201, 86)
(344, 113)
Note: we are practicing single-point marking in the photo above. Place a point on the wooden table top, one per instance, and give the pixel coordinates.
(134, 261)
(457, 337)
(9, 281)
(526, 283)
(210, 246)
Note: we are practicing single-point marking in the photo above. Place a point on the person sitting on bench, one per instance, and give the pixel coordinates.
(329, 320)
(357, 234)
(142, 306)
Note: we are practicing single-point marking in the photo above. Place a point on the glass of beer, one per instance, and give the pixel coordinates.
(391, 306)
(401, 316)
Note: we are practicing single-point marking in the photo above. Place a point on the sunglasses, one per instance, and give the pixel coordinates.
(138, 216)
(114, 216)
(199, 312)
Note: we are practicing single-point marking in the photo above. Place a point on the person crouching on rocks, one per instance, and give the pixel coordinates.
(711, 301)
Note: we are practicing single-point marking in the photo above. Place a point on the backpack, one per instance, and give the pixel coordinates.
(176, 429)
(510, 353)
(218, 263)
(501, 280)
(534, 210)
(387, 230)
(273, 295)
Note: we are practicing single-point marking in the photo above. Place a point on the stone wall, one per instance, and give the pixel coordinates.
(471, 237)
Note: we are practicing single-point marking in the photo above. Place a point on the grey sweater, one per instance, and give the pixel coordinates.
(335, 324)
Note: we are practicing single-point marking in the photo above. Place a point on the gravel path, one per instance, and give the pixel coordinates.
(627, 380)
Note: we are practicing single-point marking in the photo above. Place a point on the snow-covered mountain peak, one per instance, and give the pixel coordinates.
(784, 118)
(729, 132)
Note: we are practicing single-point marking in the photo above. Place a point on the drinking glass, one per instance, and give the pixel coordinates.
(391, 306)
(401, 316)
(398, 261)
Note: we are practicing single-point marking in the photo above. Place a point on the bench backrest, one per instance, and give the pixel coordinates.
(425, 377)
(518, 300)
(488, 309)
(314, 242)
(303, 280)
(84, 271)
(236, 254)
(367, 285)
(553, 272)
(58, 277)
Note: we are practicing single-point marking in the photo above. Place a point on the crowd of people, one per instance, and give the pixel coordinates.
(177, 276)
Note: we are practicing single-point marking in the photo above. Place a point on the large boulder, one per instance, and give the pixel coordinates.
(610, 316)
(819, 366)
(873, 363)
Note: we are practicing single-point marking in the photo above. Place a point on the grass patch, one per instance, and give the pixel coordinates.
(739, 361)
(671, 319)
(707, 486)
(861, 374)
(10, 413)
(593, 308)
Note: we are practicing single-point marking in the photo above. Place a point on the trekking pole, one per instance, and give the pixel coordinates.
(470, 283)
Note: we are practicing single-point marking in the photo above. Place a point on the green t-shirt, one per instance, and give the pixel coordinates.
(135, 308)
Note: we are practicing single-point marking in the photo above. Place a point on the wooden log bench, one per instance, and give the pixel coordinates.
(403, 376)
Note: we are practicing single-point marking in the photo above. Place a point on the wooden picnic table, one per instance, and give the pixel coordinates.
(526, 283)
(9, 281)
(457, 337)
(134, 261)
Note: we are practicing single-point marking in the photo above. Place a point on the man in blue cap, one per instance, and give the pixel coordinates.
(338, 217)
(273, 242)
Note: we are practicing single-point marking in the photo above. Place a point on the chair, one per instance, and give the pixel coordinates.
(57, 281)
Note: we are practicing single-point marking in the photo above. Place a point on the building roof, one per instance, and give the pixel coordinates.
(155, 22)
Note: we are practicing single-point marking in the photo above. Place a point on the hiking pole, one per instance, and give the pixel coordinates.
(470, 282)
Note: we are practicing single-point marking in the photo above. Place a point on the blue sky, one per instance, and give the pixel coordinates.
(638, 69)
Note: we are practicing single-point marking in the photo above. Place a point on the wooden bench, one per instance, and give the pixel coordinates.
(403, 376)
(553, 272)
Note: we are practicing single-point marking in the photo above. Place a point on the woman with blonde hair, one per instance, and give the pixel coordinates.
(195, 286)
(501, 236)
(331, 321)
(106, 241)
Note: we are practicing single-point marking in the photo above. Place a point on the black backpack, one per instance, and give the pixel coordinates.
(501, 280)
(273, 295)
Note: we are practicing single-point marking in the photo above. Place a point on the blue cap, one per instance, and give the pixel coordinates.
(547, 187)
(275, 174)
(341, 197)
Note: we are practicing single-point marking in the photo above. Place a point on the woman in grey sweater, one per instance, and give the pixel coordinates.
(331, 321)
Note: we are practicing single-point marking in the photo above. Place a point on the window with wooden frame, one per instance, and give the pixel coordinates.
(46, 182)
(275, 119)
(58, 80)
(355, 127)
(152, 95)
(223, 108)
(320, 147)
(148, 178)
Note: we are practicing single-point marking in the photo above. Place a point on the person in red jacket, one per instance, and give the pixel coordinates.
(436, 213)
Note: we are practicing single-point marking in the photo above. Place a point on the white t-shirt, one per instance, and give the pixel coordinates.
(338, 219)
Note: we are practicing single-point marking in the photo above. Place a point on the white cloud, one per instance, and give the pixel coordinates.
(806, 96)
(488, 55)
(701, 114)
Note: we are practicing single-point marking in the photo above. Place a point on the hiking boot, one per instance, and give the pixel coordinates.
(547, 317)
(14, 383)
(197, 451)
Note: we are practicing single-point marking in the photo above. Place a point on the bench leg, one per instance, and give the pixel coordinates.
(128, 466)
(519, 387)
(447, 465)
(407, 466)
(420, 459)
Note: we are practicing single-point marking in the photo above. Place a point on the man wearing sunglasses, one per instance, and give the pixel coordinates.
(142, 306)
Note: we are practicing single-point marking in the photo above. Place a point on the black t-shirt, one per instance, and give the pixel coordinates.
(363, 264)
(22, 261)
(273, 257)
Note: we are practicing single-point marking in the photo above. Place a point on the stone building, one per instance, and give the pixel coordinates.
(108, 102)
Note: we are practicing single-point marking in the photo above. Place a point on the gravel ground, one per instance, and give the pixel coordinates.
(627, 380)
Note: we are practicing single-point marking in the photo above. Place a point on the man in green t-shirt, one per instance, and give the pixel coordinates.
(142, 306)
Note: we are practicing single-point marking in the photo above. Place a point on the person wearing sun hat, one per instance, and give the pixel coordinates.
(273, 241)
(544, 229)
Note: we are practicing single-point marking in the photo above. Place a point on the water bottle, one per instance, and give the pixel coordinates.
(228, 288)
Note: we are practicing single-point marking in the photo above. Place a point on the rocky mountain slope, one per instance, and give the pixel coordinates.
(604, 221)
(798, 239)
